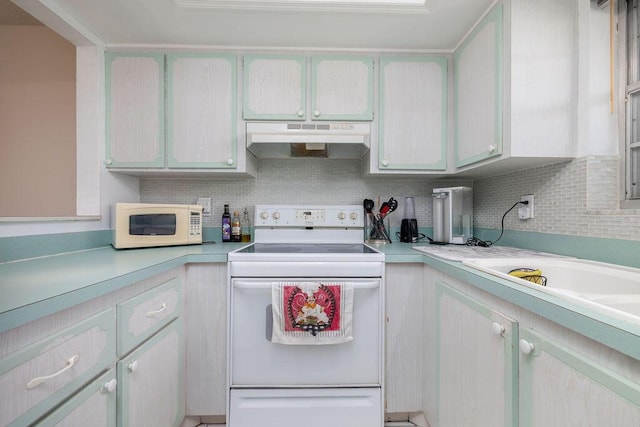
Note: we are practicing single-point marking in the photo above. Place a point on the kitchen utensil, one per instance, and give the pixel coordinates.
(368, 205)
(388, 207)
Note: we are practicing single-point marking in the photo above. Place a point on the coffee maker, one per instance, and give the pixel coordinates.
(452, 215)
(409, 225)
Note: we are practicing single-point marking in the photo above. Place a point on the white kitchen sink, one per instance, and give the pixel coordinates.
(609, 288)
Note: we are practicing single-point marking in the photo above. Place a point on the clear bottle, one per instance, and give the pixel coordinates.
(246, 223)
(236, 227)
(226, 225)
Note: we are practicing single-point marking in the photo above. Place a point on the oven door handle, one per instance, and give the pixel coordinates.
(238, 284)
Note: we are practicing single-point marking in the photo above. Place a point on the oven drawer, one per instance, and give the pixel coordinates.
(256, 361)
(338, 407)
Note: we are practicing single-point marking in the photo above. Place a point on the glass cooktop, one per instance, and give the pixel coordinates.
(307, 248)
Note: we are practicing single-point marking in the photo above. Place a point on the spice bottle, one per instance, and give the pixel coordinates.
(246, 223)
(226, 225)
(236, 228)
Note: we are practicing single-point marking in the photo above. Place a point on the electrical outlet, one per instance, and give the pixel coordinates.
(205, 202)
(526, 211)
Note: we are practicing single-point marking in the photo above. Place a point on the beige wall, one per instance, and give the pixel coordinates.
(37, 123)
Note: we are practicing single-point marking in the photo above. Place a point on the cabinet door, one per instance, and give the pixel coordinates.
(206, 354)
(201, 120)
(559, 387)
(413, 113)
(135, 110)
(404, 337)
(275, 87)
(95, 405)
(478, 92)
(150, 381)
(342, 88)
(477, 383)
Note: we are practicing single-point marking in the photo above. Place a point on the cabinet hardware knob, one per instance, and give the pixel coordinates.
(109, 386)
(39, 380)
(316, 113)
(133, 366)
(229, 161)
(300, 113)
(385, 163)
(492, 148)
(497, 328)
(108, 161)
(526, 347)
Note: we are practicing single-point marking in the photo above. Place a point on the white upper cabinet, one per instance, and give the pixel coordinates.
(201, 116)
(515, 100)
(478, 92)
(135, 110)
(342, 88)
(412, 134)
(276, 87)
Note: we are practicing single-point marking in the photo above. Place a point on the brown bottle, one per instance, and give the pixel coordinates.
(236, 228)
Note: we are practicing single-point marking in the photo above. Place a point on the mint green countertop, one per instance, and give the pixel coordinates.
(34, 288)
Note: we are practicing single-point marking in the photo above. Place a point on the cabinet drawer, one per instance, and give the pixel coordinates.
(96, 402)
(41, 375)
(145, 314)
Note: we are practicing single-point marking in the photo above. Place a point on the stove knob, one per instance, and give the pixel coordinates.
(354, 215)
(342, 215)
(264, 215)
(276, 215)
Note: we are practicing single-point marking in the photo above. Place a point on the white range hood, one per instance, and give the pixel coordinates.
(277, 140)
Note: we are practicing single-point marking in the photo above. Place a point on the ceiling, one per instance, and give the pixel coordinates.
(425, 25)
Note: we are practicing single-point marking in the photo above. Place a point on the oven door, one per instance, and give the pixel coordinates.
(257, 362)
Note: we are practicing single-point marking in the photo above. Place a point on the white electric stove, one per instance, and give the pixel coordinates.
(289, 385)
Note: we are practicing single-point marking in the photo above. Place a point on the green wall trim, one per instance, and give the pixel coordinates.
(24, 247)
(614, 251)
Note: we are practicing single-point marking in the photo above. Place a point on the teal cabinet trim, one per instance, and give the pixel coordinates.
(248, 113)
(110, 57)
(81, 397)
(174, 163)
(126, 312)
(440, 164)
(602, 375)
(367, 114)
(494, 17)
(510, 340)
(124, 376)
(104, 320)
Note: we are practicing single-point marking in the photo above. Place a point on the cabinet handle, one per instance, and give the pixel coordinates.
(109, 387)
(497, 328)
(37, 381)
(526, 347)
(108, 161)
(133, 366)
(229, 161)
(385, 163)
(300, 113)
(492, 148)
(316, 113)
(162, 308)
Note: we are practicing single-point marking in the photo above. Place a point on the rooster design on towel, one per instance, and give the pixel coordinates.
(313, 309)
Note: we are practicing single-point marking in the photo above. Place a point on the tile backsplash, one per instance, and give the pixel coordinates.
(577, 198)
(297, 181)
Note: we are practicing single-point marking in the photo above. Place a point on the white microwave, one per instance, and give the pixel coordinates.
(143, 225)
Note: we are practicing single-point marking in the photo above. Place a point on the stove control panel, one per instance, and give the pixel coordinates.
(304, 216)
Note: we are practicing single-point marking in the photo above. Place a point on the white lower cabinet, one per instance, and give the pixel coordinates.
(404, 337)
(95, 404)
(561, 387)
(150, 381)
(476, 359)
